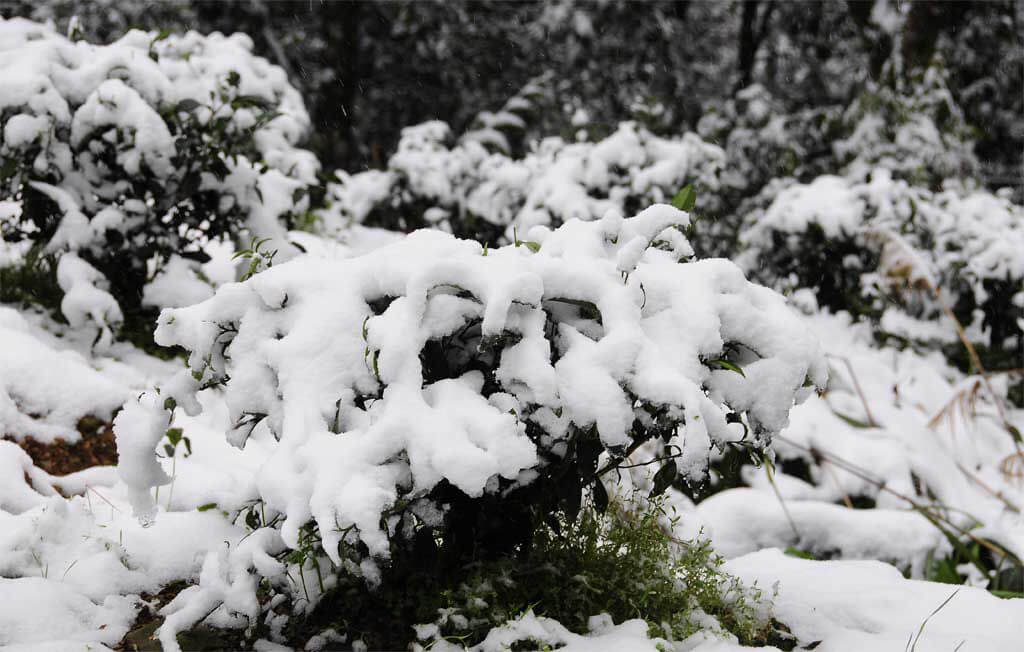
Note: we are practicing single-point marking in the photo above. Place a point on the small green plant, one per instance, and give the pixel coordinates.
(174, 437)
(32, 282)
(259, 258)
(619, 561)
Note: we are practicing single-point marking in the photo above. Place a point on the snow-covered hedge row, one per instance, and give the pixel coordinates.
(474, 189)
(126, 156)
(438, 386)
(865, 245)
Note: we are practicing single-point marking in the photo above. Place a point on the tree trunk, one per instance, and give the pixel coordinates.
(925, 22)
(334, 113)
(752, 32)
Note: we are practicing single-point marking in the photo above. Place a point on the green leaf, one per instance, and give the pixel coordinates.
(664, 478)
(174, 436)
(169, 450)
(248, 101)
(1007, 595)
(944, 571)
(801, 554)
(856, 423)
(207, 507)
(1015, 433)
(532, 246)
(685, 198)
(187, 105)
(722, 363)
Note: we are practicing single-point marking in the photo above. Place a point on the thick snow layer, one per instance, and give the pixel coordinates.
(827, 201)
(85, 299)
(36, 612)
(868, 605)
(45, 389)
(740, 521)
(178, 284)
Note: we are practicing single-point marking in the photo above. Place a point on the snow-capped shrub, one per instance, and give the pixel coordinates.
(884, 245)
(477, 191)
(129, 153)
(439, 393)
(764, 141)
(919, 132)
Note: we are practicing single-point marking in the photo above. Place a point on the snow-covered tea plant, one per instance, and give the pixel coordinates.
(764, 141)
(440, 395)
(127, 157)
(474, 189)
(914, 128)
(893, 251)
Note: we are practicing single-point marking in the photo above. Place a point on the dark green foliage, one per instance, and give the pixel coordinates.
(616, 562)
(32, 282)
(172, 215)
(816, 261)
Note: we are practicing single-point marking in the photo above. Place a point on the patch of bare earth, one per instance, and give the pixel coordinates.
(95, 448)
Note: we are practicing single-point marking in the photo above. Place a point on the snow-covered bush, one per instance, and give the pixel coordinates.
(130, 156)
(764, 141)
(473, 189)
(918, 131)
(439, 393)
(890, 250)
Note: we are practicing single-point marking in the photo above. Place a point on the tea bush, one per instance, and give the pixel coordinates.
(482, 188)
(440, 396)
(131, 156)
(897, 253)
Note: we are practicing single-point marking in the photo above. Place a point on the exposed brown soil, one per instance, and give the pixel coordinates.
(95, 448)
(141, 637)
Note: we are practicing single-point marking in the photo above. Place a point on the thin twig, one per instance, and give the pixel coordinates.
(856, 385)
(778, 494)
(995, 494)
(102, 497)
(924, 510)
(925, 622)
(975, 359)
(839, 486)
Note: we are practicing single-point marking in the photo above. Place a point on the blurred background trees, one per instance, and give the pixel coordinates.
(368, 69)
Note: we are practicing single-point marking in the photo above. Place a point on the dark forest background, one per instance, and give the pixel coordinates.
(367, 69)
